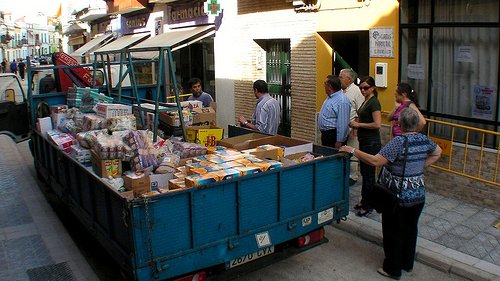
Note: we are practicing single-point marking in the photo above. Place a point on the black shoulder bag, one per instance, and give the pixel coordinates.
(382, 198)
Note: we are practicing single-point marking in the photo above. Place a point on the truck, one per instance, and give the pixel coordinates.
(201, 232)
(14, 120)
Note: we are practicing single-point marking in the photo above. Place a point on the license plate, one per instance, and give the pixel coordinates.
(250, 257)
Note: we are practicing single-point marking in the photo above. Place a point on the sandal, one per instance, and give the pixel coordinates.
(358, 206)
(382, 272)
(363, 212)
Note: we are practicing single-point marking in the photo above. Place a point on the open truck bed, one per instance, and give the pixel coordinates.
(177, 233)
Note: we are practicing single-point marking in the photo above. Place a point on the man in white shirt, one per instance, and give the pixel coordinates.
(351, 90)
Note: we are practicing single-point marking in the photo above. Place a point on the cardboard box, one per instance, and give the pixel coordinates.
(289, 145)
(139, 184)
(187, 104)
(158, 181)
(270, 152)
(205, 116)
(44, 125)
(172, 118)
(129, 194)
(240, 142)
(204, 135)
(199, 180)
(294, 159)
(108, 110)
(106, 167)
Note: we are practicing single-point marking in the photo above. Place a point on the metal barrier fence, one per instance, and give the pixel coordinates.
(467, 151)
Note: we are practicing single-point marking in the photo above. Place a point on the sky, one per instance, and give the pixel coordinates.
(29, 7)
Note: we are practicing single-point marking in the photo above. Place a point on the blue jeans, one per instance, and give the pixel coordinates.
(367, 171)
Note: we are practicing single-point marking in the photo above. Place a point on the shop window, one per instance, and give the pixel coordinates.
(415, 62)
(466, 11)
(452, 61)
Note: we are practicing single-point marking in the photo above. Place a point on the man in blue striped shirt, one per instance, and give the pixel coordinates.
(334, 116)
(266, 117)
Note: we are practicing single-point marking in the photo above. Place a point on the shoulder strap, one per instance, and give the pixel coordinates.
(404, 162)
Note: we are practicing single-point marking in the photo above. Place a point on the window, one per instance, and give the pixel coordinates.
(450, 55)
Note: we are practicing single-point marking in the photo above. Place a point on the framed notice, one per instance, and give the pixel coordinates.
(382, 42)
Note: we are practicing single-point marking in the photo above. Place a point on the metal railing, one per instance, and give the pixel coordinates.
(466, 151)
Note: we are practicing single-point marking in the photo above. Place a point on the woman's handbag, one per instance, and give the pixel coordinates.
(382, 198)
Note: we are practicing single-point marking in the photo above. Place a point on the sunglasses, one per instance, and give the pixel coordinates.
(364, 88)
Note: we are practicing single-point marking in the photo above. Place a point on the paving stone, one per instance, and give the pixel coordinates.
(480, 246)
(435, 211)
(463, 232)
(493, 256)
(448, 203)
(431, 198)
(451, 241)
(430, 233)
(482, 220)
(454, 217)
(467, 210)
(441, 224)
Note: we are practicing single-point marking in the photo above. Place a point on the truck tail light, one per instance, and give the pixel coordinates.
(311, 237)
(199, 276)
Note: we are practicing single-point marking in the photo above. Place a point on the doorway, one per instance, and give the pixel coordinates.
(351, 50)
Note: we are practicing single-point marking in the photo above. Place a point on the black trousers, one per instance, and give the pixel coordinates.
(399, 230)
(368, 172)
(329, 138)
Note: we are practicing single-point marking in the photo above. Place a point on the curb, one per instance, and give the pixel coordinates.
(428, 252)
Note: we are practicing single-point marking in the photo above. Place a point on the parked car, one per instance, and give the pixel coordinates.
(34, 62)
(43, 61)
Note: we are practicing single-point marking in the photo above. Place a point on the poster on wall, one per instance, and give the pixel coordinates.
(416, 71)
(382, 42)
(483, 98)
(464, 54)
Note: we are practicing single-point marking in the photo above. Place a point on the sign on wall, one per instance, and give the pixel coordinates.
(382, 42)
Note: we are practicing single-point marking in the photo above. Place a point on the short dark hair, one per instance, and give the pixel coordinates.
(334, 82)
(192, 81)
(260, 86)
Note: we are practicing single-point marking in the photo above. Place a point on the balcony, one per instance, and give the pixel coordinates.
(21, 43)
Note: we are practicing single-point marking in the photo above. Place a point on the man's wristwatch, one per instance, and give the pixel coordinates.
(352, 152)
(246, 122)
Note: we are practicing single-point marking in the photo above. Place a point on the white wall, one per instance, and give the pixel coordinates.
(226, 71)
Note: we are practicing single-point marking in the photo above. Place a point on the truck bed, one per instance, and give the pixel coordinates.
(176, 233)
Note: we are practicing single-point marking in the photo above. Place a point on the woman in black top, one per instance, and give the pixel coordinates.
(368, 125)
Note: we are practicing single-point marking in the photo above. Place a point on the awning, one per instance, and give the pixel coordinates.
(92, 44)
(174, 39)
(122, 43)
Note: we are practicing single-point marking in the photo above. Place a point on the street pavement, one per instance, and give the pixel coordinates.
(456, 238)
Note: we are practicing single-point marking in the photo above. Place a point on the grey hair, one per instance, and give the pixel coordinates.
(349, 73)
(408, 120)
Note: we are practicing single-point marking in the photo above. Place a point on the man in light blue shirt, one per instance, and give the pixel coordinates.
(267, 114)
(334, 116)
